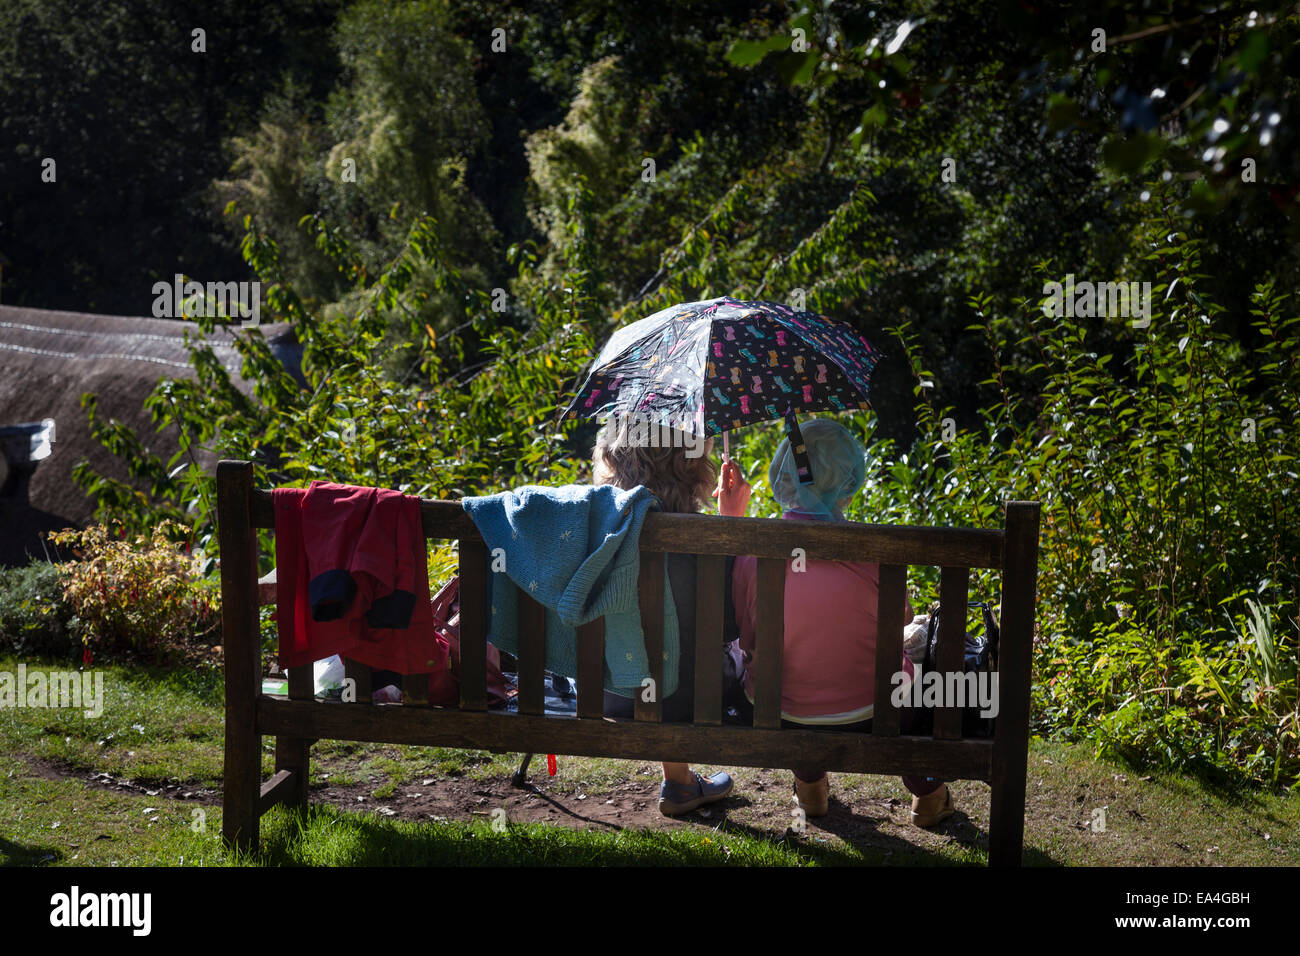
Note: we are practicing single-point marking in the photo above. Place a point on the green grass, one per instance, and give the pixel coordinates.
(47, 818)
(63, 823)
(157, 725)
(330, 837)
(1160, 821)
(351, 762)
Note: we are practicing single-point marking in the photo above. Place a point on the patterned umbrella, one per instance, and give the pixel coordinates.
(708, 367)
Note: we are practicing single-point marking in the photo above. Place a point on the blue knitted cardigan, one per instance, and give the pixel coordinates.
(574, 548)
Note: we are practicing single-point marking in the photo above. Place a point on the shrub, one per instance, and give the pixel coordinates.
(35, 620)
(142, 597)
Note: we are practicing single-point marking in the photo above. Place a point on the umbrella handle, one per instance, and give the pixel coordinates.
(797, 447)
(726, 448)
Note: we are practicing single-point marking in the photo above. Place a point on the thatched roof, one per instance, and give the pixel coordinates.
(47, 361)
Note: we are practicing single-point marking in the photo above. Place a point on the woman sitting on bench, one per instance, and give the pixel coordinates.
(829, 656)
(680, 473)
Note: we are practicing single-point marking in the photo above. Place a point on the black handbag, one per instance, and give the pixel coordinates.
(981, 658)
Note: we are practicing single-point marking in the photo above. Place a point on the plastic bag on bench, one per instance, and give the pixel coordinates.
(327, 676)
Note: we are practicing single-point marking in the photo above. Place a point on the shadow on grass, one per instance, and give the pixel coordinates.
(866, 843)
(547, 798)
(346, 838)
(327, 836)
(872, 846)
(874, 849)
(18, 854)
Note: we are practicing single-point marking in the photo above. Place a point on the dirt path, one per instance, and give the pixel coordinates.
(52, 770)
(762, 804)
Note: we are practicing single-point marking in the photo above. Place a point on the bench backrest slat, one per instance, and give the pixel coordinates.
(709, 595)
(361, 674)
(473, 623)
(238, 542)
(890, 609)
(765, 538)
(950, 656)
(302, 686)
(532, 650)
(769, 641)
(591, 670)
(415, 690)
(650, 594)
(761, 537)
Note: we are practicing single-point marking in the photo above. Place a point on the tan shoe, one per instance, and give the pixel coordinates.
(813, 798)
(933, 807)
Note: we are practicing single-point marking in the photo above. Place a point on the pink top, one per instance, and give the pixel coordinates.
(829, 656)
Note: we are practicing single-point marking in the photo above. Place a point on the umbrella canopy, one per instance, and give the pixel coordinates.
(711, 366)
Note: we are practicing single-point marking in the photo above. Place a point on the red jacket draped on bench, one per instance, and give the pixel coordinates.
(353, 579)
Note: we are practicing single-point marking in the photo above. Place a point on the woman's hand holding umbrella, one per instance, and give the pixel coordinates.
(733, 491)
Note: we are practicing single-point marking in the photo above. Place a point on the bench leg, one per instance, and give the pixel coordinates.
(292, 753)
(1011, 743)
(1007, 817)
(241, 789)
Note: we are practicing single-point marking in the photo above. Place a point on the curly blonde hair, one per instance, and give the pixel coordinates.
(683, 484)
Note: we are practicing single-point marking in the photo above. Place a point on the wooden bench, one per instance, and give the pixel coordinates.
(299, 720)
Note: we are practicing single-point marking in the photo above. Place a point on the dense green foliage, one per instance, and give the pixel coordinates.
(35, 621)
(1168, 476)
(132, 113)
(917, 169)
